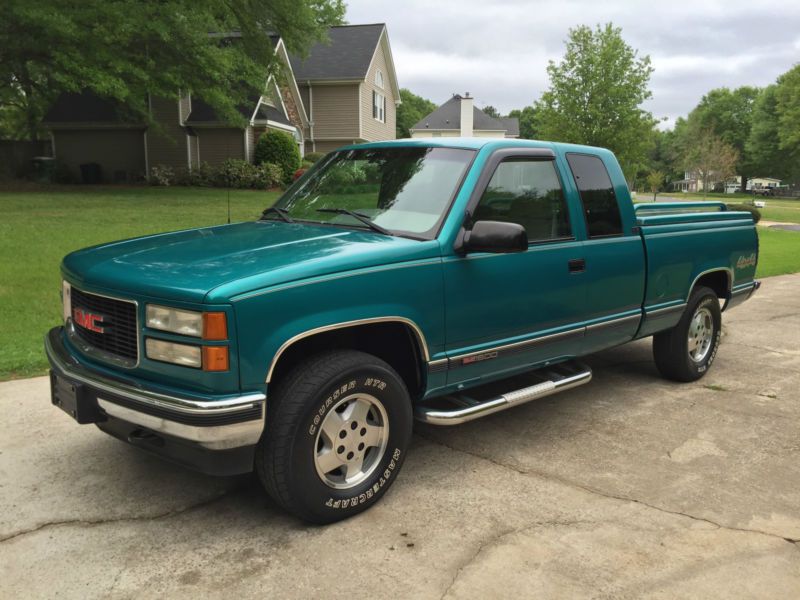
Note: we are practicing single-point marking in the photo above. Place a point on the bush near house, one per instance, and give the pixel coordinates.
(278, 148)
(313, 157)
(233, 173)
(748, 208)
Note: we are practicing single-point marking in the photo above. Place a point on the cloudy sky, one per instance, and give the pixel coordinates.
(498, 51)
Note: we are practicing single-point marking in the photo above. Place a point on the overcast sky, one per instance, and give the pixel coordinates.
(498, 51)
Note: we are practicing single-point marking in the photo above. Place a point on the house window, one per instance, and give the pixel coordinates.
(378, 107)
(379, 79)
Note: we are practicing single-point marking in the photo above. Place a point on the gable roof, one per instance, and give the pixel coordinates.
(346, 55)
(204, 113)
(448, 116)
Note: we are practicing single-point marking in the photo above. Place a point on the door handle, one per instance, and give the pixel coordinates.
(577, 265)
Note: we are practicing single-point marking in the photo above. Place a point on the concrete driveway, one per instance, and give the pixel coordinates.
(628, 487)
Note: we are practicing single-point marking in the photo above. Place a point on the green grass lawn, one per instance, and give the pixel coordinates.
(779, 252)
(39, 225)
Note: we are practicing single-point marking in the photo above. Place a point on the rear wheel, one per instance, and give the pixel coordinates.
(685, 352)
(338, 427)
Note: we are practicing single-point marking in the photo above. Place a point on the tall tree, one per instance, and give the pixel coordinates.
(527, 118)
(491, 111)
(712, 158)
(595, 96)
(412, 108)
(125, 49)
(763, 146)
(728, 114)
(787, 98)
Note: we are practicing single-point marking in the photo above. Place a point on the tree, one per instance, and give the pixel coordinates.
(728, 114)
(527, 118)
(763, 146)
(655, 179)
(595, 96)
(713, 159)
(491, 111)
(411, 110)
(124, 50)
(787, 106)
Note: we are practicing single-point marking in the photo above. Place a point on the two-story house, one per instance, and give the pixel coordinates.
(345, 91)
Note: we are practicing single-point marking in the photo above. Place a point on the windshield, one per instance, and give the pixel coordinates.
(400, 190)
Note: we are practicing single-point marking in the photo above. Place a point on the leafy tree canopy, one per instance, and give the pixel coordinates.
(491, 111)
(527, 124)
(125, 49)
(595, 96)
(412, 108)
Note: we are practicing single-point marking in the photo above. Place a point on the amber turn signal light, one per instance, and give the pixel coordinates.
(215, 326)
(215, 358)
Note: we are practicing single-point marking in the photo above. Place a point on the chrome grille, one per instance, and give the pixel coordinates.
(119, 336)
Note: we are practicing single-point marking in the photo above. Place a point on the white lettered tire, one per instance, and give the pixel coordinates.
(337, 432)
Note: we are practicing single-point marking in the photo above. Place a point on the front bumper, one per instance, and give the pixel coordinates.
(222, 424)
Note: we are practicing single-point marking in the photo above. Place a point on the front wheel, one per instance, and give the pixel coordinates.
(685, 352)
(338, 429)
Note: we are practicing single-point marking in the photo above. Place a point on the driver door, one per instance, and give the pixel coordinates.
(507, 312)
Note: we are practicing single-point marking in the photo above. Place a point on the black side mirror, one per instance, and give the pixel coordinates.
(495, 236)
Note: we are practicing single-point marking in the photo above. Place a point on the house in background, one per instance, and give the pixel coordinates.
(349, 86)
(459, 117)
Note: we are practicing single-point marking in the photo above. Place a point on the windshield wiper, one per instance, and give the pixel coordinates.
(281, 212)
(358, 216)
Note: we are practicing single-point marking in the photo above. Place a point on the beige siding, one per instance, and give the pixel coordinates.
(329, 145)
(219, 144)
(194, 151)
(166, 144)
(373, 130)
(119, 152)
(335, 110)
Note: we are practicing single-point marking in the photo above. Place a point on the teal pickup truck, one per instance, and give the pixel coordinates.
(439, 279)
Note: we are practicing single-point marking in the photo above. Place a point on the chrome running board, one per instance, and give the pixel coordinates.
(478, 402)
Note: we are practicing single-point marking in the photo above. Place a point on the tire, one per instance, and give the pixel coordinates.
(329, 411)
(683, 358)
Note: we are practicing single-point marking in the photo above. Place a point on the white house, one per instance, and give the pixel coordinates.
(458, 117)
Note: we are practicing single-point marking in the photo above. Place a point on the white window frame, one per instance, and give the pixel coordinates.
(378, 106)
(379, 78)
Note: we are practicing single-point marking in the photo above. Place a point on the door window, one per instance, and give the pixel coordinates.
(527, 192)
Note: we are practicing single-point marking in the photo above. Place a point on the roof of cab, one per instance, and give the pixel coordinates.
(475, 143)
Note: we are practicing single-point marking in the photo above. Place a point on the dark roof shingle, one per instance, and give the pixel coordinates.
(85, 107)
(346, 55)
(448, 116)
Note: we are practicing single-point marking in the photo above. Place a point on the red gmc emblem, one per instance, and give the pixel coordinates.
(88, 320)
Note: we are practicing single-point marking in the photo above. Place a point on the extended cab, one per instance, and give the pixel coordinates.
(439, 279)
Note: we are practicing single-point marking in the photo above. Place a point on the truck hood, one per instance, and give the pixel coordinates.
(216, 263)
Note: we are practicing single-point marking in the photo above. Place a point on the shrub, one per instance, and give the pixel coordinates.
(162, 175)
(313, 157)
(746, 207)
(278, 148)
(268, 175)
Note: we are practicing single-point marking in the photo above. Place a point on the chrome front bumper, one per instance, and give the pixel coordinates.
(226, 423)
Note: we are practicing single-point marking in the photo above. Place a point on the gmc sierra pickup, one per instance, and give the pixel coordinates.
(442, 279)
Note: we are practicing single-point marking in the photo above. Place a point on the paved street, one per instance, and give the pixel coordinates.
(630, 486)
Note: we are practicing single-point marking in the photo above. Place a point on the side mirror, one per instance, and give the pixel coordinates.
(495, 236)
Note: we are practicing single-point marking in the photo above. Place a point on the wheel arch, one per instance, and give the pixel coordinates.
(402, 345)
(719, 279)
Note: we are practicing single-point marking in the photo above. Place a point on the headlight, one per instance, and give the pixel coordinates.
(179, 354)
(207, 325)
(175, 320)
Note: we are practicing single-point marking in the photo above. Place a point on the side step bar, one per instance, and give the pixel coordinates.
(459, 408)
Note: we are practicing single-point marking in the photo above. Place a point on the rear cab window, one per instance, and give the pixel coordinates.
(600, 207)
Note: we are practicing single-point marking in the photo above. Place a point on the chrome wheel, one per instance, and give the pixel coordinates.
(351, 441)
(701, 334)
